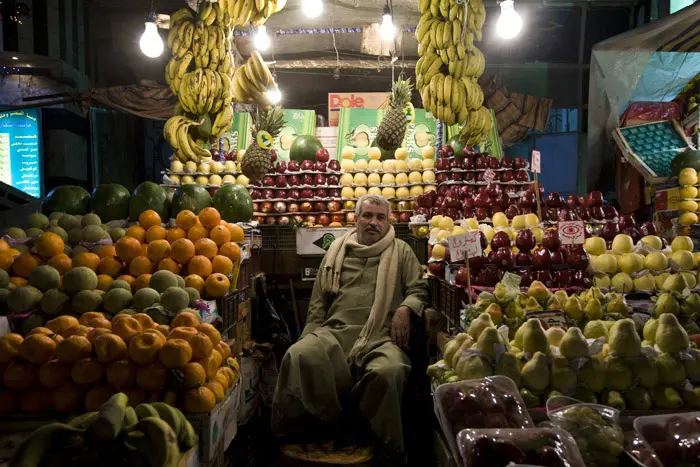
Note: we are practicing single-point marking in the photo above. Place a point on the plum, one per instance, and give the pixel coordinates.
(495, 452)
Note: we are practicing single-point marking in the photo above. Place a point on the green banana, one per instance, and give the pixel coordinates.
(45, 438)
(154, 438)
(145, 410)
(111, 419)
(186, 438)
(130, 417)
(168, 414)
(83, 421)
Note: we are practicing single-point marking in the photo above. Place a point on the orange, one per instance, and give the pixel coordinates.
(90, 260)
(140, 265)
(14, 252)
(152, 377)
(209, 217)
(18, 281)
(145, 321)
(197, 232)
(41, 330)
(186, 319)
(73, 348)
(156, 232)
(100, 323)
(6, 260)
(163, 329)
(37, 348)
(62, 263)
(175, 233)
(25, 263)
(103, 281)
(94, 332)
(195, 281)
(222, 265)
(137, 232)
(109, 348)
(144, 249)
(231, 250)
(193, 375)
(186, 219)
(142, 281)
(169, 264)
(88, 316)
(68, 398)
(126, 328)
(126, 278)
(158, 249)
(54, 373)
(110, 266)
(9, 347)
(182, 332)
(149, 218)
(4, 246)
(217, 285)
(199, 265)
(79, 330)
(220, 234)
(20, 375)
(211, 331)
(224, 349)
(222, 378)
(182, 250)
(201, 346)
(199, 400)
(127, 248)
(121, 374)
(206, 247)
(62, 323)
(104, 251)
(211, 364)
(175, 353)
(237, 234)
(48, 245)
(87, 371)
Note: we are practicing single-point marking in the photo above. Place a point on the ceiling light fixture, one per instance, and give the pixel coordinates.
(312, 8)
(509, 23)
(261, 39)
(387, 30)
(151, 43)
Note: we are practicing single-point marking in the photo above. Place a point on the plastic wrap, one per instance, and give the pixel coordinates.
(674, 438)
(547, 447)
(644, 112)
(492, 402)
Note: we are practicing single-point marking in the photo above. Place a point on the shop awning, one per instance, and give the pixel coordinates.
(652, 63)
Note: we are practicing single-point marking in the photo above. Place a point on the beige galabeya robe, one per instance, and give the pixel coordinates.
(316, 372)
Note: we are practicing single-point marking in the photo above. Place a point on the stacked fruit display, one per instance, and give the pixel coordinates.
(207, 173)
(450, 64)
(116, 434)
(688, 204)
(610, 367)
(73, 364)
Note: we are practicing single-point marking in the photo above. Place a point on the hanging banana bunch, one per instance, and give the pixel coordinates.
(255, 11)
(450, 64)
(253, 82)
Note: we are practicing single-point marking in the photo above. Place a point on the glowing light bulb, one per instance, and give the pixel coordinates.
(312, 8)
(261, 40)
(151, 43)
(273, 96)
(386, 30)
(509, 23)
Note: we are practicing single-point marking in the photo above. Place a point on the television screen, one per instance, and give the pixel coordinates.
(20, 155)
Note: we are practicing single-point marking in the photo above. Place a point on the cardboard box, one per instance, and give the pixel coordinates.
(328, 137)
(238, 136)
(667, 200)
(213, 428)
(315, 242)
(353, 100)
(298, 122)
(250, 388)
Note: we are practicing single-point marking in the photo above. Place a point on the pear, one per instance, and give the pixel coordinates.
(487, 342)
(585, 395)
(690, 305)
(608, 325)
(562, 376)
(518, 338)
(692, 366)
(573, 344)
(674, 283)
(617, 305)
(555, 335)
(485, 299)
(534, 338)
(624, 340)
(638, 398)
(691, 399)
(598, 294)
(535, 373)
(450, 350)
(533, 305)
(666, 303)
(618, 375)
(561, 296)
(595, 329)
(594, 309)
(478, 325)
(646, 372)
(538, 291)
(554, 304)
(592, 376)
(457, 357)
(500, 292)
(670, 336)
(649, 332)
(508, 366)
(514, 310)
(531, 400)
(614, 399)
(494, 310)
(666, 398)
(660, 279)
(473, 367)
(671, 370)
(552, 393)
(461, 337)
(522, 299)
(573, 309)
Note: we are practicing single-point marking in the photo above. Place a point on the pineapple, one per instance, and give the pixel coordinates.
(392, 130)
(256, 161)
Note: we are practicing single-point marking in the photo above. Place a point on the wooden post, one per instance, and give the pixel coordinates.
(537, 194)
(469, 279)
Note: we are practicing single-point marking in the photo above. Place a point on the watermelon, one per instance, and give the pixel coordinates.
(234, 203)
(685, 159)
(149, 195)
(456, 146)
(304, 148)
(190, 197)
(69, 199)
(110, 201)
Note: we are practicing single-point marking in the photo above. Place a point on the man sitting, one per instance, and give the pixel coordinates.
(358, 323)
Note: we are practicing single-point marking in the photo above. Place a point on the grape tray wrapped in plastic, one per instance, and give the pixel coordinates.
(596, 429)
(546, 447)
(492, 402)
(674, 438)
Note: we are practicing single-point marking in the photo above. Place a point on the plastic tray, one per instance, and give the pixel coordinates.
(641, 422)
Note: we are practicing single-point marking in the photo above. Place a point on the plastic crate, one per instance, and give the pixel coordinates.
(278, 238)
(244, 275)
(419, 247)
(402, 231)
(227, 307)
(451, 298)
(434, 289)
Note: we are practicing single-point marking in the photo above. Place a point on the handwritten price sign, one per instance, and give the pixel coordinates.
(536, 166)
(489, 175)
(572, 232)
(466, 245)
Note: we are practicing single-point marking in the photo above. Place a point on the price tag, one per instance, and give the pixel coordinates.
(489, 175)
(572, 232)
(410, 113)
(535, 165)
(550, 318)
(466, 245)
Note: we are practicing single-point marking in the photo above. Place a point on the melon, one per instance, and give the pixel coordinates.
(149, 195)
(110, 201)
(456, 146)
(684, 160)
(69, 199)
(190, 197)
(304, 148)
(234, 203)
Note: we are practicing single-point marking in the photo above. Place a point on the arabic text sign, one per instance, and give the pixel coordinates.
(489, 175)
(536, 165)
(572, 232)
(466, 245)
(20, 160)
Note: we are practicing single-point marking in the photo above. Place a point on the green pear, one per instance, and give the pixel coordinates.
(487, 342)
(691, 399)
(554, 304)
(457, 357)
(638, 398)
(645, 370)
(485, 299)
(692, 366)
(595, 329)
(533, 305)
(562, 376)
(530, 399)
(614, 399)
(561, 296)
(666, 398)
(624, 340)
(671, 370)
(450, 350)
(594, 309)
(660, 279)
(618, 375)
(473, 367)
(478, 325)
(690, 305)
(674, 283)
(573, 344)
(538, 291)
(500, 292)
(534, 338)
(617, 305)
(670, 336)
(508, 366)
(555, 335)
(535, 373)
(514, 310)
(573, 308)
(649, 332)
(592, 375)
(666, 303)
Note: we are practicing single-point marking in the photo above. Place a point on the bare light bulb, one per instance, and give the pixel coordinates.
(386, 30)
(273, 96)
(151, 43)
(261, 40)
(312, 8)
(509, 23)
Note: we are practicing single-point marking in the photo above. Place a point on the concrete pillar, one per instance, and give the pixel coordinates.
(54, 29)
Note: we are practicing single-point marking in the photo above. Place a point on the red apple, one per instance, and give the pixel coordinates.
(255, 194)
(626, 222)
(488, 277)
(268, 194)
(551, 240)
(334, 193)
(266, 207)
(319, 179)
(456, 176)
(293, 180)
(544, 276)
(595, 198)
(324, 219)
(481, 213)
(477, 262)
(322, 155)
(307, 180)
(647, 228)
(320, 167)
(481, 162)
(553, 200)
(469, 177)
(337, 218)
(521, 176)
(281, 167)
(306, 207)
(441, 177)
(404, 217)
(525, 277)
(577, 257)
(259, 219)
(334, 165)
(610, 212)
(580, 279)
(293, 194)
(519, 163)
(468, 163)
(508, 176)
(293, 166)
(437, 269)
(562, 278)
(525, 240)
(500, 240)
(319, 206)
(270, 220)
(333, 206)
(281, 181)
(332, 180)
(310, 219)
(541, 259)
(307, 165)
(506, 162)
(306, 193)
(512, 211)
(482, 200)
(268, 181)
(557, 257)
(523, 259)
(505, 259)
(447, 151)
(609, 231)
(634, 233)
(583, 213)
(320, 193)
(572, 201)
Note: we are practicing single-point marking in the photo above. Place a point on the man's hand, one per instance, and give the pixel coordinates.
(401, 327)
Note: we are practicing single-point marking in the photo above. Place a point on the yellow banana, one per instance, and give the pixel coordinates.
(439, 35)
(447, 89)
(447, 34)
(204, 10)
(179, 15)
(156, 440)
(440, 88)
